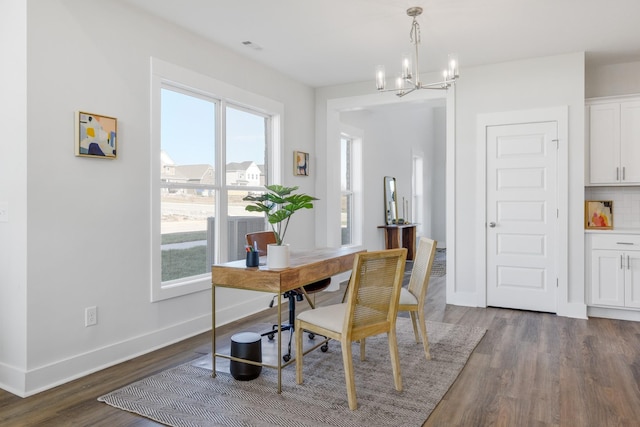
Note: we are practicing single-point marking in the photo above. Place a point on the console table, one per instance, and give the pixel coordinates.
(400, 236)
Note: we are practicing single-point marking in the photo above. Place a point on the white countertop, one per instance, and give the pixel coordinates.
(614, 231)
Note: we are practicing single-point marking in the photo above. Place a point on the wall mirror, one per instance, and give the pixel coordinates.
(390, 200)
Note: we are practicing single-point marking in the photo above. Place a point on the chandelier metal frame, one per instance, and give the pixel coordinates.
(409, 80)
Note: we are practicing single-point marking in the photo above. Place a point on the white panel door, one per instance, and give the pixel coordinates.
(522, 216)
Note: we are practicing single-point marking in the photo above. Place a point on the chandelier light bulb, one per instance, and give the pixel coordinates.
(399, 82)
(406, 66)
(380, 77)
(453, 66)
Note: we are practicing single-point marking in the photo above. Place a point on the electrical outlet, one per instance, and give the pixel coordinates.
(90, 316)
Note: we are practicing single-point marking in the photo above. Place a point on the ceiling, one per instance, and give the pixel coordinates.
(329, 42)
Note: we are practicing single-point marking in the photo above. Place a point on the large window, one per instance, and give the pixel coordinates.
(212, 152)
(187, 190)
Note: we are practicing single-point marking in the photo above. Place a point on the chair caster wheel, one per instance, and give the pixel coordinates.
(270, 336)
(286, 357)
(325, 348)
(311, 335)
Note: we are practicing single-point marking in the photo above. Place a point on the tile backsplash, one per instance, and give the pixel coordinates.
(626, 204)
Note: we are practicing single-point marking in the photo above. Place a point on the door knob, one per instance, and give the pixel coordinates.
(492, 224)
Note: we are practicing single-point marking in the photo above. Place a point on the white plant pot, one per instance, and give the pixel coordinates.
(277, 256)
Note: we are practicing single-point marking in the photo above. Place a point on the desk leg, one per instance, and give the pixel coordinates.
(279, 367)
(213, 330)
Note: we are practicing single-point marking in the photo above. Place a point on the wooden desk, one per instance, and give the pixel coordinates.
(306, 267)
(400, 236)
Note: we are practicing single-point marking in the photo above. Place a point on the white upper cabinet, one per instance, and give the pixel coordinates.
(614, 142)
(630, 141)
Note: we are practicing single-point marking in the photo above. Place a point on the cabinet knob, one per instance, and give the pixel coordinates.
(492, 224)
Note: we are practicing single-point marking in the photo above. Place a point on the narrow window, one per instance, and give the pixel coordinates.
(346, 188)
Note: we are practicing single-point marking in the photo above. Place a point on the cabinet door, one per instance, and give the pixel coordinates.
(632, 280)
(630, 142)
(607, 277)
(604, 143)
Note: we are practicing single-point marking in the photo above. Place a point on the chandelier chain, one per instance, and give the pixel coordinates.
(414, 34)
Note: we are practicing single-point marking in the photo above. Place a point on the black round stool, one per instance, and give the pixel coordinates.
(246, 345)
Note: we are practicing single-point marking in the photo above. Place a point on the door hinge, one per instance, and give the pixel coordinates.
(557, 142)
(557, 282)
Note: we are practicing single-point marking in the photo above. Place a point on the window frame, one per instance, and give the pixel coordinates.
(173, 77)
(355, 136)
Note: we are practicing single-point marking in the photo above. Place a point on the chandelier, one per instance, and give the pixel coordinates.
(409, 80)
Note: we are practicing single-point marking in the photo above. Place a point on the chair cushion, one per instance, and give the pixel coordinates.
(330, 317)
(407, 298)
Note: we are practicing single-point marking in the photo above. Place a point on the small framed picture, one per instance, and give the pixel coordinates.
(300, 163)
(96, 135)
(598, 214)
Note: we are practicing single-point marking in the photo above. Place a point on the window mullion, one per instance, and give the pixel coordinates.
(221, 178)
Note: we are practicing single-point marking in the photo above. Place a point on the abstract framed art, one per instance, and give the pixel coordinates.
(300, 163)
(96, 135)
(598, 214)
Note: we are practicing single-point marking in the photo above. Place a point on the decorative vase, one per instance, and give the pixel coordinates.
(277, 256)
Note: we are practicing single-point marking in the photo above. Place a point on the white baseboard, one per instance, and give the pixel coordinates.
(575, 310)
(27, 383)
(12, 379)
(614, 313)
(465, 299)
(32, 381)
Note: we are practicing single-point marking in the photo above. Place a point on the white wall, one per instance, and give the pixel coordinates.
(331, 103)
(512, 86)
(392, 134)
(84, 243)
(613, 79)
(89, 219)
(13, 194)
(521, 85)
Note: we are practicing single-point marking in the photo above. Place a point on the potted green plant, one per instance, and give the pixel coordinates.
(279, 203)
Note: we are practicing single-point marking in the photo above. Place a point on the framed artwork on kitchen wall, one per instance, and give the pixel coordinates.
(598, 214)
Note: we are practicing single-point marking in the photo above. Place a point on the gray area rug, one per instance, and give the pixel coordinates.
(188, 396)
(439, 267)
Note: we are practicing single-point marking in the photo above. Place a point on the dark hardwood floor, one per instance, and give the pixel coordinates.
(531, 369)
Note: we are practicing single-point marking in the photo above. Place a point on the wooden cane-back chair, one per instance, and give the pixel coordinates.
(371, 309)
